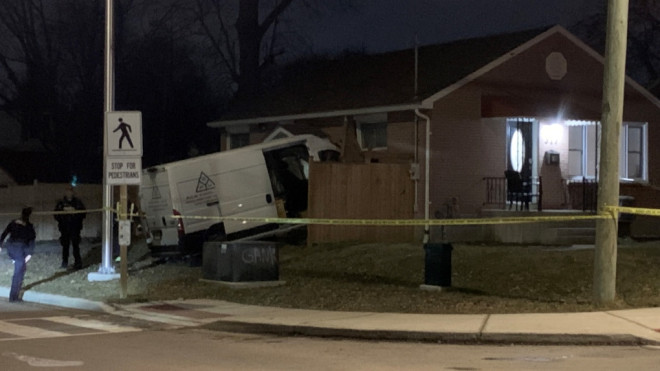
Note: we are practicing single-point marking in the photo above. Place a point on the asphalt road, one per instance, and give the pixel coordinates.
(197, 349)
(38, 336)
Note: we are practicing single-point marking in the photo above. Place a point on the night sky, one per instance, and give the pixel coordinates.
(381, 25)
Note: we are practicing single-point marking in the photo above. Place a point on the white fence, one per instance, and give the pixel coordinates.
(42, 197)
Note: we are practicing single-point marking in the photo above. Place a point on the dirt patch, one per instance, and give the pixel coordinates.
(373, 277)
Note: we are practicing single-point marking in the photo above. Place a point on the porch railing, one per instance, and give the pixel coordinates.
(583, 194)
(496, 192)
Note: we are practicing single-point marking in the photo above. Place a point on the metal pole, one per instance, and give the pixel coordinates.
(123, 249)
(427, 174)
(107, 270)
(612, 117)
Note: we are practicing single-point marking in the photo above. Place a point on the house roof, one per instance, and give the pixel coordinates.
(362, 84)
(361, 81)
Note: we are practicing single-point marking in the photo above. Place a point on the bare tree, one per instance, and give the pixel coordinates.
(247, 36)
(51, 77)
(643, 60)
(236, 31)
(30, 60)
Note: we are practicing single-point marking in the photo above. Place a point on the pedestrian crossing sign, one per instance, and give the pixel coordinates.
(124, 133)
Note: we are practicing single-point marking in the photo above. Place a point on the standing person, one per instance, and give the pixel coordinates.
(70, 224)
(20, 247)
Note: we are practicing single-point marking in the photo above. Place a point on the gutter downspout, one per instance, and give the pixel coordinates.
(427, 172)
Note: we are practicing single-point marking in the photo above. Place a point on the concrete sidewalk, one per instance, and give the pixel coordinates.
(636, 326)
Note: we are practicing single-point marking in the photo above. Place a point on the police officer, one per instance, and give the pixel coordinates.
(69, 221)
(20, 247)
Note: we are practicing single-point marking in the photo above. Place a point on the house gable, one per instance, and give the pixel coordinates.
(586, 66)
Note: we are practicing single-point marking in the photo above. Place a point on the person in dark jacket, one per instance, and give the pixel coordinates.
(69, 218)
(20, 247)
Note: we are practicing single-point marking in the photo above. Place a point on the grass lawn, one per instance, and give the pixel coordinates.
(485, 279)
(381, 278)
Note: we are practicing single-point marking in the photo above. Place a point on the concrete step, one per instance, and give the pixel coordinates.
(571, 235)
(581, 231)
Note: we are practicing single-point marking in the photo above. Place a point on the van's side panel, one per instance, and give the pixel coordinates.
(229, 184)
(194, 194)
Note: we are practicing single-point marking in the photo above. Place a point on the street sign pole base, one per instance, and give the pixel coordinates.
(102, 276)
(432, 287)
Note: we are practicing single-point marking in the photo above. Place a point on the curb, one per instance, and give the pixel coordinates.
(427, 337)
(479, 337)
(61, 301)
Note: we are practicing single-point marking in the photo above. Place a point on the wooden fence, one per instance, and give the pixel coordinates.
(360, 191)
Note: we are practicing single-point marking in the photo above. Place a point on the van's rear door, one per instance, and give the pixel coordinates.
(156, 204)
(245, 189)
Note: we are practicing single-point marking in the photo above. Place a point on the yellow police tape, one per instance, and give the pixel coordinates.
(398, 222)
(634, 210)
(87, 211)
(609, 212)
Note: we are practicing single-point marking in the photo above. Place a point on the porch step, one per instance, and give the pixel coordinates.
(572, 235)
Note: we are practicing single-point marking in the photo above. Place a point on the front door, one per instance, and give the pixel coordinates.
(522, 145)
(519, 147)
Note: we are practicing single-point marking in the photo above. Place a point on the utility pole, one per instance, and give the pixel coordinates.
(612, 117)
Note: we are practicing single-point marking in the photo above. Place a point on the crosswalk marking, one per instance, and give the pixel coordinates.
(27, 331)
(93, 324)
(173, 313)
(58, 326)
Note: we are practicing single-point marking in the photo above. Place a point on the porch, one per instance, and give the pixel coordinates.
(578, 195)
(574, 197)
(580, 198)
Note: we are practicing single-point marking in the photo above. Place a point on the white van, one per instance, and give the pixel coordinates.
(263, 180)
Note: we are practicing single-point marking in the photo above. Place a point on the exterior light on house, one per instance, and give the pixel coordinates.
(551, 134)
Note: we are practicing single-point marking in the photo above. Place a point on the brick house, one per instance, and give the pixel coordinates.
(527, 101)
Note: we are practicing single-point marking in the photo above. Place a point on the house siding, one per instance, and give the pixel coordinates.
(465, 149)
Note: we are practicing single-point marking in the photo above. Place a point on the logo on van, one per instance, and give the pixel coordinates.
(155, 193)
(204, 183)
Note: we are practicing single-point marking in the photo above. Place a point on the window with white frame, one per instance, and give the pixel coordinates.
(576, 146)
(584, 141)
(583, 144)
(633, 152)
(372, 131)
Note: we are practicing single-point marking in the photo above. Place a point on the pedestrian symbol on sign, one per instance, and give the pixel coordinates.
(125, 132)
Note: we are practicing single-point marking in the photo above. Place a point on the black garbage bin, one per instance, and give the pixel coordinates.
(437, 264)
(247, 261)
